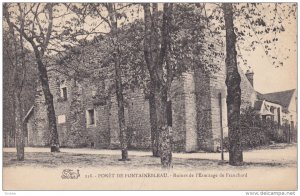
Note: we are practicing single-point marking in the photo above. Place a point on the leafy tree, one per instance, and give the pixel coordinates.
(112, 12)
(233, 81)
(257, 131)
(16, 60)
(258, 26)
(174, 43)
(12, 51)
(155, 58)
(114, 18)
(254, 25)
(47, 32)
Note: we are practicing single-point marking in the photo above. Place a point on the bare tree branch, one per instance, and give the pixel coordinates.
(49, 29)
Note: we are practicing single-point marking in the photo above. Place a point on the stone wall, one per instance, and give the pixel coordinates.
(85, 95)
(38, 131)
(138, 120)
(203, 102)
(30, 131)
(72, 132)
(194, 99)
(177, 99)
(218, 88)
(190, 112)
(207, 89)
(94, 98)
(114, 123)
(209, 83)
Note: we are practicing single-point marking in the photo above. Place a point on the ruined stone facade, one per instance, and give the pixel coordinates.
(87, 115)
(195, 101)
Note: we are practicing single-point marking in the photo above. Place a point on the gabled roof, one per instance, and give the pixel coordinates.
(283, 97)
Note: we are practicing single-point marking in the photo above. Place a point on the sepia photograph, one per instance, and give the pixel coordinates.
(149, 96)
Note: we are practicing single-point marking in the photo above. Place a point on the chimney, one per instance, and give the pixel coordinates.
(249, 74)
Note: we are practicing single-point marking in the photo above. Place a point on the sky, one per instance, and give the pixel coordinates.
(268, 78)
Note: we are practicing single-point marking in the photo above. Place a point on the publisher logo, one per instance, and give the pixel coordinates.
(70, 174)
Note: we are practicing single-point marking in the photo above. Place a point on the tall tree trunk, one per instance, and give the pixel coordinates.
(165, 148)
(12, 134)
(121, 114)
(153, 122)
(118, 83)
(19, 127)
(155, 53)
(149, 54)
(155, 49)
(233, 81)
(54, 142)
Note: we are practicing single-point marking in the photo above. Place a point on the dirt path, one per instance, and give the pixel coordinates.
(274, 168)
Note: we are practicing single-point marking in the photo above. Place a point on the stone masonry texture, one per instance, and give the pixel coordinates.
(194, 101)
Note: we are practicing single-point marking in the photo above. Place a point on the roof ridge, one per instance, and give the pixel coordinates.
(282, 97)
(278, 91)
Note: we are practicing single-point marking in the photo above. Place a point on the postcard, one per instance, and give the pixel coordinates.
(150, 96)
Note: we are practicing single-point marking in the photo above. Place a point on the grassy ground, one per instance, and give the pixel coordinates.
(268, 168)
(281, 155)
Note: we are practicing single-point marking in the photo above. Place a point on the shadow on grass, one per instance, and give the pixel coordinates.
(266, 164)
(54, 160)
(272, 146)
(210, 164)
